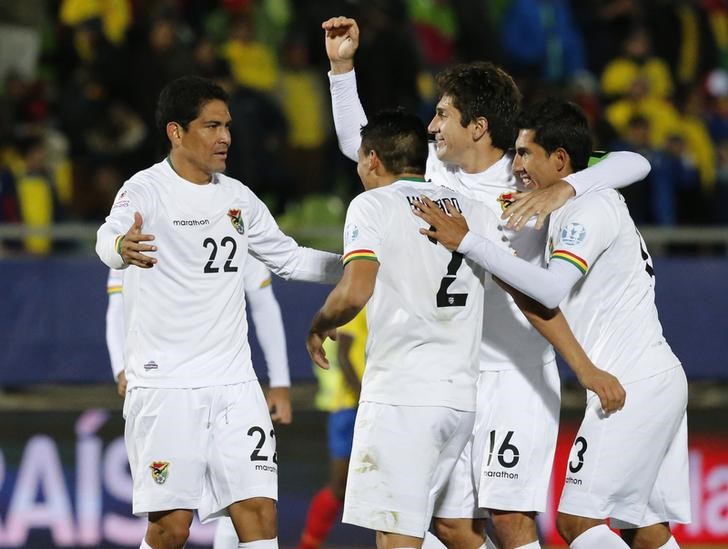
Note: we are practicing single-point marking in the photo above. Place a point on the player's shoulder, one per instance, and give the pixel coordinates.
(598, 208)
(596, 202)
(372, 198)
(237, 191)
(146, 179)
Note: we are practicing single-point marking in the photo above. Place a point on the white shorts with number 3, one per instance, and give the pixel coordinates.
(632, 466)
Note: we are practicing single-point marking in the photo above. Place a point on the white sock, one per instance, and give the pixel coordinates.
(598, 537)
(145, 545)
(671, 544)
(532, 545)
(259, 544)
(225, 535)
(489, 544)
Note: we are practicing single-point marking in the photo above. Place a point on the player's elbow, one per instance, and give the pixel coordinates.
(642, 166)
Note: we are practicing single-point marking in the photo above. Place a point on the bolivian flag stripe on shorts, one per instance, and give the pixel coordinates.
(360, 254)
(575, 260)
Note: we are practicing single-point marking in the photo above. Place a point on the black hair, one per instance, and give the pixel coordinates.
(481, 89)
(182, 100)
(399, 139)
(557, 123)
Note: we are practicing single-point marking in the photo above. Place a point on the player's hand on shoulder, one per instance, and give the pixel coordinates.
(342, 41)
(279, 404)
(133, 244)
(607, 387)
(538, 203)
(448, 227)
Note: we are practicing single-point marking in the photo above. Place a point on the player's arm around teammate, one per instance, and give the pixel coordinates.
(449, 228)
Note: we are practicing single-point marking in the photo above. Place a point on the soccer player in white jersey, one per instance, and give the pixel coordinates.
(198, 432)
(424, 316)
(632, 466)
(518, 389)
(266, 315)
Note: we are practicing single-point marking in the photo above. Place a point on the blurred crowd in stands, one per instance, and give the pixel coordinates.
(79, 80)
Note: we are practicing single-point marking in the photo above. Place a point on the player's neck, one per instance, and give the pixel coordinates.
(477, 160)
(187, 171)
(388, 179)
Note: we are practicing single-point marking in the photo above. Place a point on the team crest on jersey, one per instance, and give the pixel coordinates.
(505, 200)
(573, 234)
(236, 219)
(160, 471)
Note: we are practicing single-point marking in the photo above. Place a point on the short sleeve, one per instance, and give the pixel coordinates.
(583, 231)
(363, 229)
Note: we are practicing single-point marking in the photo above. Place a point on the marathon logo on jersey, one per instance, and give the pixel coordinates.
(151, 365)
(236, 219)
(190, 222)
(160, 471)
(505, 200)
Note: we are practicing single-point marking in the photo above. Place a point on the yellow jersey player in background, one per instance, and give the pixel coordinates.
(338, 394)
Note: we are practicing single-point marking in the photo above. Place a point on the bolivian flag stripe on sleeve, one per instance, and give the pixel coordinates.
(360, 254)
(575, 260)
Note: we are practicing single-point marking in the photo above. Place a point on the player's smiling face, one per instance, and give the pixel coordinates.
(532, 164)
(451, 138)
(201, 149)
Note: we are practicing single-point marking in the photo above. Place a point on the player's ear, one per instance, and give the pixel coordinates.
(373, 160)
(560, 158)
(173, 133)
(479, 127)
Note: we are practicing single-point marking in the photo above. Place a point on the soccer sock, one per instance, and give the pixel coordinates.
(598, 537)
(671, 544)
(225, 534)
(145, 545)
(489, 544)
(259, 544)
(532, 545)
(322, 514)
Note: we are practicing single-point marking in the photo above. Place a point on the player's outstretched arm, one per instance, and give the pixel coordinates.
(552, 324)
(341, 38)
(343, 303)
(341, 35)
(614, 171)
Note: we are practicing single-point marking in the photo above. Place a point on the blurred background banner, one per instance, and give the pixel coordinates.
(52, 321)
(65, 482)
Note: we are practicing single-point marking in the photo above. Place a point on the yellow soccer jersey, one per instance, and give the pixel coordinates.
(334, 393)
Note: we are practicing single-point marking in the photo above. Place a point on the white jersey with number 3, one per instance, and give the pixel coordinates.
(612, 310)
(425, 317)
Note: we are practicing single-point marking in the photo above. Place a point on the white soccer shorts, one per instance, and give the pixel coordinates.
(514, 440)
(201, 449)
(401, 459)
(632, 466)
